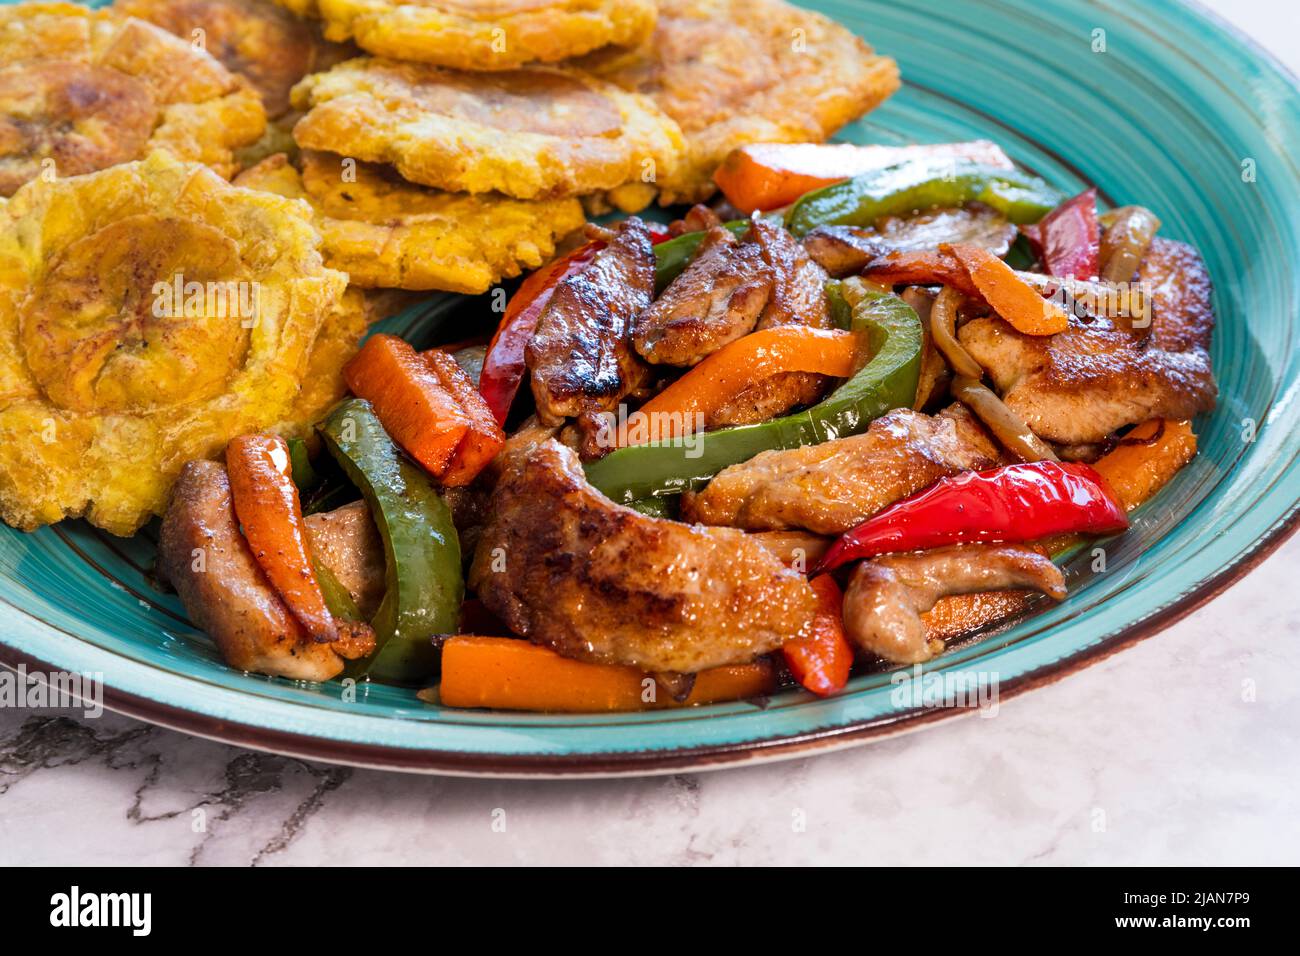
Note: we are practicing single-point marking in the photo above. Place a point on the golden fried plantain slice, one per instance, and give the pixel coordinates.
(732, 72)
(149, 313)
(82, 90)
(265, 44)
(530, 133)
(388, 233)
(481, 34)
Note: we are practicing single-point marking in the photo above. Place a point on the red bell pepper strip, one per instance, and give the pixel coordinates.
(1021, 502)
(503, 366)
(1068, 239)
(821, 661)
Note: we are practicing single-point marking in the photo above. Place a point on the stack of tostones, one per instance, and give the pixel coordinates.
(149, 313)
(82, 90)
(732, 72)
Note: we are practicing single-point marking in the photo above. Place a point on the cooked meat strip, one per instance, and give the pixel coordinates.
(798, 298)
(581, 355)
(347, 542)
(1079, 386)
(716, 300)
(830, 487)
(202, 554)
(697, 219)
(564, 566)
(798, 283)
(886, 596)
(846, 250)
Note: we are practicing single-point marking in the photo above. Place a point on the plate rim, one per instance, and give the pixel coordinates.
(623, 763)
(629, 763)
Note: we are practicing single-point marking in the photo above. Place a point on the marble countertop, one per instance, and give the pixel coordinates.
(1183, 750)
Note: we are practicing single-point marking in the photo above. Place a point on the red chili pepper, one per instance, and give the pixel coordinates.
(1021, 502)
(1068, 239)
(503, 366)
(821, 661)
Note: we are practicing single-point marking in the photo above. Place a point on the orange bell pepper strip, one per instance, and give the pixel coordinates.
(1146, 459)
(416, 411)
(485, 436)
(1008, 295)
(821, 661)
(506, 673)
(267, 506)
(764, 176)
(724, 374)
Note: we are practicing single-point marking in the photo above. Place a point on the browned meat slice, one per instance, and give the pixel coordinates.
(831, 487)
(886, 596)
(1079, 386)
(563, 565)
(716, 300)
(798, 283)
(798, 298)
(846, 250)
(581, 356)
(203, 555)
(347, 542)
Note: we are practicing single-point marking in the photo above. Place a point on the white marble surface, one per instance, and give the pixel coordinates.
(1184, 749)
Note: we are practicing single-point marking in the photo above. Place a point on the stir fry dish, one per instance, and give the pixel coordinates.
(855, 405)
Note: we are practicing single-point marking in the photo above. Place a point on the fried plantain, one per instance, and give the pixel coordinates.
(732, 72)
(481, 34)
(149, 313)
(265, 44)
(531, 133)
(82, 90)
(388, 233)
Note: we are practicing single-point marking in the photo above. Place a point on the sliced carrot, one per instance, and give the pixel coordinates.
(266, 503)
(739, 364)
(1008, 295)
(767, 176)
(821, 661)
(507, 673)
(1146, 459)
(417, 412)
(485, 436)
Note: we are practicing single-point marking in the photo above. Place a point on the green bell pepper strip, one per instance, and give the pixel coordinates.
(425, 586)
(304, 475)
(921, 184)
(337, 598)
(887, 381)
(674, 255)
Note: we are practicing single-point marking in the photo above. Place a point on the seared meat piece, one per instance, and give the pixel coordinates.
(846, 250)
(581, 355)
(798, 298)
(831, 487)
(563, 565)
(347, 542)
(798, 283)
(716, 300)
(203, 555)
(1079, 386)
(886, 596)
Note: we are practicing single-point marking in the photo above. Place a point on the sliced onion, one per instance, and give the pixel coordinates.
(1128, 235)
(943, 326)
(1005, 425)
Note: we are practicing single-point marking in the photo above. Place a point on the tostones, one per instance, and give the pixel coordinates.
(265, 44)
(481, 34)
(149, 313)
(732, 72)
(388, 233)
(82, 90)
(530, 133)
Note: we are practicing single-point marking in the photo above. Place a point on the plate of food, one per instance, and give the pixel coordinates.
(552, 388)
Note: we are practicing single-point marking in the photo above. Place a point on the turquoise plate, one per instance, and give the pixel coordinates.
(1166, 107)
